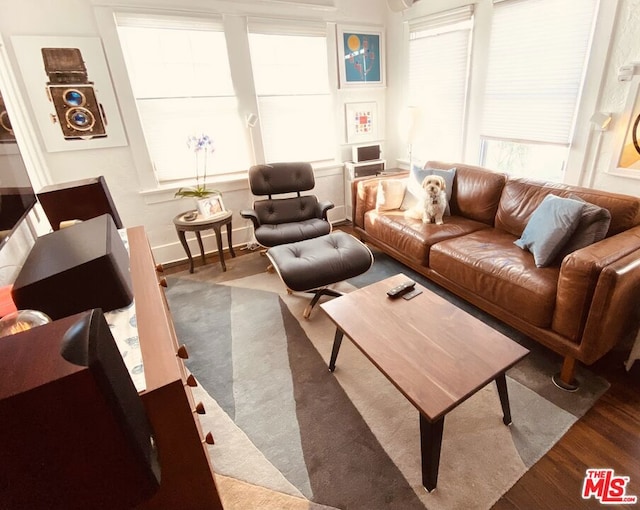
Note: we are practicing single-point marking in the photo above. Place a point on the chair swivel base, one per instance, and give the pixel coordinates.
(318, 293)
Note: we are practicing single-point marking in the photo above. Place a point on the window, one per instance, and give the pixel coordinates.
(290, 72)
(537, 58)
(439, 49)
(181, 79)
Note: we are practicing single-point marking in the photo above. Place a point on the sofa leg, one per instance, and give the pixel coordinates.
(566, 379)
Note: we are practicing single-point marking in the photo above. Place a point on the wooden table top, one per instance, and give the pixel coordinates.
(436, 354)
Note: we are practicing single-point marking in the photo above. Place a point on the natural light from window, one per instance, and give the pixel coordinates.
(295, 105)
(182, 84)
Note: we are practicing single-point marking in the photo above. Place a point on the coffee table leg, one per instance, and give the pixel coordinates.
(430, 446)
(501, 383)
(337, 341)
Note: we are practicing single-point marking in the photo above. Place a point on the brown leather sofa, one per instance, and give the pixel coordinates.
(580, 307)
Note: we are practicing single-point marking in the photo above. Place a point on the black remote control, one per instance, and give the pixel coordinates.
(401, 289)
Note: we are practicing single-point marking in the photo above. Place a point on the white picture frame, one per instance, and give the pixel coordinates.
(28, 50)
(361, 122)
(211, 207)
(626, 157)
(361, 56)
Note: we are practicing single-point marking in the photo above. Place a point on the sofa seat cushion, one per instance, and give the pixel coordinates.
(411, 236)
(488, 264)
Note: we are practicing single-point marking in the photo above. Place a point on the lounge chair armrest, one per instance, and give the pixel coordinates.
(323, 207)
(250, 214)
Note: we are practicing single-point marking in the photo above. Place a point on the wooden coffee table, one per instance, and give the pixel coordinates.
(436, 354)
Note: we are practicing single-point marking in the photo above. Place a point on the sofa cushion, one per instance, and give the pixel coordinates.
(476, 191)
(415, 193)
(390, 194)
(489, 265)
(593, 226)
(521, 196)
(550, 227)
(412, 238)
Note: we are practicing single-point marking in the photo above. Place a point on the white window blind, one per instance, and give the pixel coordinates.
(439, 49)
(180, 76)
(537, 57)
(290, 71)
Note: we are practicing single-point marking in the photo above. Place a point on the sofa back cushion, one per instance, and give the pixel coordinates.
(521, 197)
(476, 191)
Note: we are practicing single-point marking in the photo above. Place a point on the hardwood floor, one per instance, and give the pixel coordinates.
(608, 436)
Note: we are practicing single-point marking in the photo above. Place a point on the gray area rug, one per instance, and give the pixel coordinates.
(349, 440)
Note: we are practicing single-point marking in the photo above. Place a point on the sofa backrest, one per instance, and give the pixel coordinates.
(521, 196)
(476, 191)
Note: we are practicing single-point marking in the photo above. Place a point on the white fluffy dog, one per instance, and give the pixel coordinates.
(435, 200)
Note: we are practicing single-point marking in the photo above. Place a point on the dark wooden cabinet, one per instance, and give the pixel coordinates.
(187, 480)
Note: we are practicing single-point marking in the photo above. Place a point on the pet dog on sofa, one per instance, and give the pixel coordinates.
(435, 201)
(432, 202)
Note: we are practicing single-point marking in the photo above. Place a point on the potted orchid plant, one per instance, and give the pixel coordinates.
(201, 146)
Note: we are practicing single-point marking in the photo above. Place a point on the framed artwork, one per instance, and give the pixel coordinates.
(360, 56)
(70, 90)
(362, 122)
(626, 161)
(211, 206)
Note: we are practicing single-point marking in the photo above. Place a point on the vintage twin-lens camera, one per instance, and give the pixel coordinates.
(78, 112)
(6, 131)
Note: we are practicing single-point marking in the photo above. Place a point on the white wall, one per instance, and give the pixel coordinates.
(137, 201)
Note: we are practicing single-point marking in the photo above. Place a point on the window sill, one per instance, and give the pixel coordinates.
(225, 183)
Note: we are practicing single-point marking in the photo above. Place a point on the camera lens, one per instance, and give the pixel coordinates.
(74, 97)
(80, 119)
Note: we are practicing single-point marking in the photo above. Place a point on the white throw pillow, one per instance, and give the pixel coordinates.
(390, 194)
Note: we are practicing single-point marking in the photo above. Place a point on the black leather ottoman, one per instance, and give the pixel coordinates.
(313, 264)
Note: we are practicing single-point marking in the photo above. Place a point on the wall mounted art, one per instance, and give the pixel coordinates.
(362, 122)
(360, 56)
(626, 161)
(69, 86)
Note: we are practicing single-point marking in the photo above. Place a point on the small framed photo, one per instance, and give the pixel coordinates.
(211, 206)
(360, 56)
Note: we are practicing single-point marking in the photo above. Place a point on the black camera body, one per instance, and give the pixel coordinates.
(78, 111)
(6, 131)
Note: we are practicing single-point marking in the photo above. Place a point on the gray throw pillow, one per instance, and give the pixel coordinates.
(549, 228)
(593, 227)
(415, 192)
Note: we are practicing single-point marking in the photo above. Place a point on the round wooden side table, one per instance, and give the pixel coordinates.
(198, 225)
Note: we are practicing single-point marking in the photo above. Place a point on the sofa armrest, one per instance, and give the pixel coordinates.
(615, 310)
(587, 271)
(364, 192)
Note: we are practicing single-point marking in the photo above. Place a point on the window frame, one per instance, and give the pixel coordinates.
(447, 20)
(579, 157)
(264, 26)
(235, 25)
